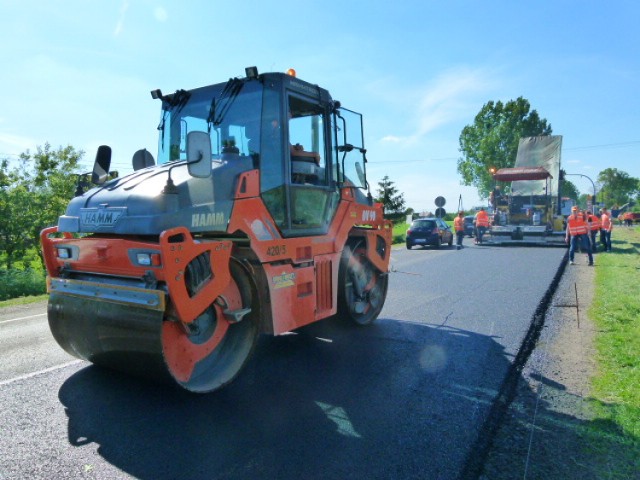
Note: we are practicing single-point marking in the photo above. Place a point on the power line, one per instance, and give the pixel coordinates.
(606, 145)
(588, 147)
(443, 159)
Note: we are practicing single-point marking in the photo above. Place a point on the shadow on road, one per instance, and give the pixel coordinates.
(393, 400)
(396, 400)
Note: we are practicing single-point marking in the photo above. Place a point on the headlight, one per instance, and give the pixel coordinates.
(148, 259)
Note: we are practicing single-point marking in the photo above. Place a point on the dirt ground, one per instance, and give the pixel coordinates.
(548, 430)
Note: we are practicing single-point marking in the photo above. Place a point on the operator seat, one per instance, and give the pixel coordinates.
(305, 166)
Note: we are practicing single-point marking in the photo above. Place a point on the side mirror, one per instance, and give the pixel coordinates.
(142, 159)
(199, 154)
(101, 165)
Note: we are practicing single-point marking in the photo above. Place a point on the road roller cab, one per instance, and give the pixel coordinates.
(255, 218)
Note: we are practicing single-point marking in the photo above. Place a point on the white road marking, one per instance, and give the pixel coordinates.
(22, 318)
(39, 372)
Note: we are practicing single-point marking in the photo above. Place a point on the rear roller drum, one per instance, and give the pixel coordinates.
(362, 288)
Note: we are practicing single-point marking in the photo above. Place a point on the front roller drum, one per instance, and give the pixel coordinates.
(201, 356)
(114, 335)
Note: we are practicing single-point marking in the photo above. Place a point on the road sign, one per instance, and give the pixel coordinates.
(440, 201)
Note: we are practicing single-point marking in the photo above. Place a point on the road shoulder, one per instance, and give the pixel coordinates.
(546, 428)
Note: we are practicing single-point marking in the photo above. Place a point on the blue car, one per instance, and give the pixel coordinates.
(429, 231)
(470, 226)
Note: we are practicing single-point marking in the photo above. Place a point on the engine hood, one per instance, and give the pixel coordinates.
(136, 203)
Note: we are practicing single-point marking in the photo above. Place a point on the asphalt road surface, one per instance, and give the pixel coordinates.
(407, 397)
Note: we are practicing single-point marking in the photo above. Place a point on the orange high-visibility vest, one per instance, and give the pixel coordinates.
(595, 222)
(458, 224)
(482, 219)
(576, 225)
(607, 224)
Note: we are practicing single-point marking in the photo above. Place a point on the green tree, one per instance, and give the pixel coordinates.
(32, 196)
(492, 140)
(617, 187)
(583, 200)
(14, 215)
(388, 195)
(568, 189)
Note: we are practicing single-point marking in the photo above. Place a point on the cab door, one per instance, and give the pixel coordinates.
(312, 191)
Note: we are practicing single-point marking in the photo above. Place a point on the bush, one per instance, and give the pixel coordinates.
(399, 232)
(21, 283)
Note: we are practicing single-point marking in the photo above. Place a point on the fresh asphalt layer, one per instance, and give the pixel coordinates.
(408, 397)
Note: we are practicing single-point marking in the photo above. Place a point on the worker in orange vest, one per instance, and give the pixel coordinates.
(577, 231)
(458, 226)
(594, 227)
(482, 223)
(607, 226)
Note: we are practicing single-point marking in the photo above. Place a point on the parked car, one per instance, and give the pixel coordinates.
(470, 225)
(429, 231)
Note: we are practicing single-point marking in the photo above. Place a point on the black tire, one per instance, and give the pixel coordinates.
(409, 246)
(362, 289)
(438, 243)
(450, 240)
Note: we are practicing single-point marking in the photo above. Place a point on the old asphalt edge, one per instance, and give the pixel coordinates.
(547, 383)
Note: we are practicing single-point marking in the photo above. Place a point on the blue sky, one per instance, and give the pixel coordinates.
(79, 73)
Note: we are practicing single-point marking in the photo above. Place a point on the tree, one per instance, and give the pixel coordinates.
(617, 187)
(568, 189)
(492, 140)
(584, 200)
(14, 215)
(388, 195)
(32, 196)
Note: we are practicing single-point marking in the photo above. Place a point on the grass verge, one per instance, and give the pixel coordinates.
(23, 300)
(616, 386)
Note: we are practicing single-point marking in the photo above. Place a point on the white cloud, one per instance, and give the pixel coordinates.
(451, 97)
(120, 24)
(160, 13)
